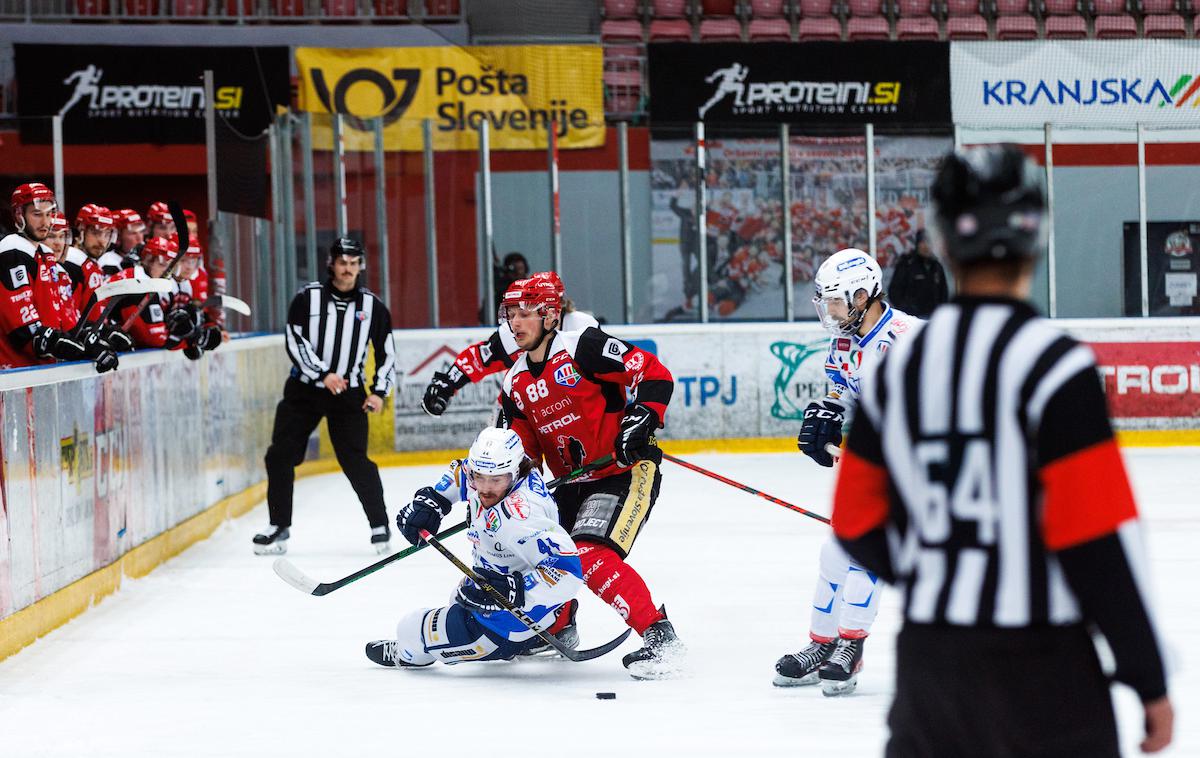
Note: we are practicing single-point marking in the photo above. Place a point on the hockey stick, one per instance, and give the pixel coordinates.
(227, 301)
(301, 581)
(530, 624)
(113, 291)
(180, 222)
(746, 488)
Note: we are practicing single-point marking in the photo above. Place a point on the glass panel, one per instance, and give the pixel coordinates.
(1173, 226)
(670, 290)
(829, 206)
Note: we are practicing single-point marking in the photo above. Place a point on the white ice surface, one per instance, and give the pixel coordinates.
(213, 655)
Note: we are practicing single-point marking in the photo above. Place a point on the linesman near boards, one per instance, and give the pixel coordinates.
(328, 328)
(982, 478)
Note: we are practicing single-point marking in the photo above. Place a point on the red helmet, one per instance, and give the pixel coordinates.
(533, 294)
(160, 247)
(34, 192)
(189, 215)
(58, 223)
(95, 215)
(129, 220)
(553, 278)
(193, 247)
(158, 213)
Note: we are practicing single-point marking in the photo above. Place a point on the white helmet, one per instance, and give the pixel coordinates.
(496, 452)
(838, 280)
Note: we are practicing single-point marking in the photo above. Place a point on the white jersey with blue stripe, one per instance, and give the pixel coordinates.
(520, 534)
(847, 355)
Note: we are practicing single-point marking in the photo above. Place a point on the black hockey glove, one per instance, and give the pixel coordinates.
(822, 425)
(510, 586)
(116, 339)
(209, 338)
(424, 512)
(53, 343)
(96, 349)
(180, 322)
(633, 441)
(441, 388)
(192, 351)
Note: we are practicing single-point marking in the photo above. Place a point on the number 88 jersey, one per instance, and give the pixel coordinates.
(568, 409)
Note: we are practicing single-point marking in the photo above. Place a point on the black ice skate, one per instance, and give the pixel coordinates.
(386, 652)
(800, 669)
(271, 541)
(380, 537)
(839, 674)
(568, 635)
(661, 655)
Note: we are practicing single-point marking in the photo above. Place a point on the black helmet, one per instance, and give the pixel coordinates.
(346, 246)
(988, 205)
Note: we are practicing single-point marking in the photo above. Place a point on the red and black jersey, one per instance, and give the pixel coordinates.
(149, 329)
(20, 320)
(85, 275)
(568, 409)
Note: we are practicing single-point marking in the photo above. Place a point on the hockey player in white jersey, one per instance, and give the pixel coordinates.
(850, 303)
(518, 548)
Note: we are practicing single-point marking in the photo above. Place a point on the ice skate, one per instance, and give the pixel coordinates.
(839, 674)
(800, 669)
(381, 539)
(661, 655)
(386, 653)
(271, 541)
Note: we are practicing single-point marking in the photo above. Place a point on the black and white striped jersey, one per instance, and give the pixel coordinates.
(983, 478)
(328, 331)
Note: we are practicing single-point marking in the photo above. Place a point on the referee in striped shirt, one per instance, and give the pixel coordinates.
(328, 328)
(982, 478)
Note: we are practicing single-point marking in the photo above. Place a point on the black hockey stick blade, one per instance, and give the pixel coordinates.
(288, 572)
(529, 623)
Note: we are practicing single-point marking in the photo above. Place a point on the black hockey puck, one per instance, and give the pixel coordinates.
(606, 696)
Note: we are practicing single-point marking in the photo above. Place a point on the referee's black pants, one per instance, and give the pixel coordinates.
(1000, 692)
(297, 415)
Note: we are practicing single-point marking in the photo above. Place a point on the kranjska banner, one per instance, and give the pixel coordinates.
(519, 91)
(811, 82)
(119, 94)
(1115, 83)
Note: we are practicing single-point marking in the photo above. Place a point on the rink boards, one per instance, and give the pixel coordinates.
(107, 476)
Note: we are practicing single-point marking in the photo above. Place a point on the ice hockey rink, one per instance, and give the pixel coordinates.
(213, 655)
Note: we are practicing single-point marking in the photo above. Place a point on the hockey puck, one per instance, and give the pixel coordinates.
(606, 696)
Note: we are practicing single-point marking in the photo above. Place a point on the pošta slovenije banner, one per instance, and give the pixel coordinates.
(517, 91)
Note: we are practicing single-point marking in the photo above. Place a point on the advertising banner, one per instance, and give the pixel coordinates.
(810, 82)
(1151, 379)
(1172, 266)
(114, 94)
(518, 90)
(1115, 83)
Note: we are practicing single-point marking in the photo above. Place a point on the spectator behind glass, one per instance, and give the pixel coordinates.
(919, 281)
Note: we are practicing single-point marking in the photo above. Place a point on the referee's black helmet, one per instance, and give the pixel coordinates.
(345, 246)
(988, 205)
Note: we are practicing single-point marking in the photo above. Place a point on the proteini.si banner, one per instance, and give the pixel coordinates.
(812, 82)
(111, 94)
(518, 91)
(1076, 83)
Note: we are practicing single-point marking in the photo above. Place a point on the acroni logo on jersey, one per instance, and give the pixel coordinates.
(567, 376)
(491, 520)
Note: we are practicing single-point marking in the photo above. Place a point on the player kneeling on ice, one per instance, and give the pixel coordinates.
(519, 549)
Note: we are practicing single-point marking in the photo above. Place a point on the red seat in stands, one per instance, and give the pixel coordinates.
(1014, 20)
(1113, 20)
(720, 30)
(821, 28)
(621, 31)
(867, 20)
(141, 7)
(91, 7)
(770, 30)
(768, 8)
(671, 30)
(964, 20)
(617, 9)
(1161, 19)
(916, 20)
(1062, 19)
(190, 8)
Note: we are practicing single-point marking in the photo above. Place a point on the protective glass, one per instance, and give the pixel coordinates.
(100, 233)
(836, 315)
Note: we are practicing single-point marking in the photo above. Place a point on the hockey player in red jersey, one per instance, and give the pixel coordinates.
(95, 229)
(149, 329)
(158, 216)
(565, 397)
(497, 353)
(131, 235)
(29, 278)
